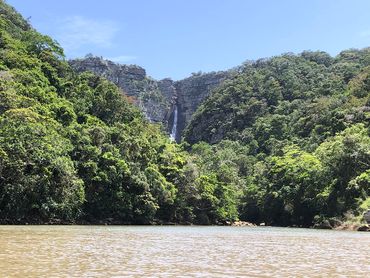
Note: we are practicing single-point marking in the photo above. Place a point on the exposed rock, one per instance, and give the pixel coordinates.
(334, 223)
(123, 76)
(363, 228)
(153, 97)
(242, 224)
(157, 99)
(348, 226)
(192, 91)
(5, 75)
(325, 224)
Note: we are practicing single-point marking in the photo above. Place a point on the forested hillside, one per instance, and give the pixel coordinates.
(303, 124)
(285, 142)
(73, 148)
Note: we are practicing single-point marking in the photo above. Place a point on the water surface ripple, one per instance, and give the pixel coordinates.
(176, 251)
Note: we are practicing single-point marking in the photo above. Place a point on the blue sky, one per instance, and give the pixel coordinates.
(173, 38)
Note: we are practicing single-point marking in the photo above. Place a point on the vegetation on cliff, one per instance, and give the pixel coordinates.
(73, 148)
(303, 124)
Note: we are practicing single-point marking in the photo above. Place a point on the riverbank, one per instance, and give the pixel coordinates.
(325, 225)
(353, 227)
(347, 224)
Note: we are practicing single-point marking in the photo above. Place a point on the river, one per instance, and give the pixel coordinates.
(186, 251)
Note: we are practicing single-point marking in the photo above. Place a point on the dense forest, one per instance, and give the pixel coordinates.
(285, 141)
(301, 125)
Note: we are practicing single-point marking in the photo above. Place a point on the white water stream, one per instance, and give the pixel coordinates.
(174, 125)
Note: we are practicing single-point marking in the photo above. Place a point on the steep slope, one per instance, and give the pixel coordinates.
(154, 98)
(157, 99)
(283, 140)
(192, 91)
(303, 124)
(297, 92)
(74, 148)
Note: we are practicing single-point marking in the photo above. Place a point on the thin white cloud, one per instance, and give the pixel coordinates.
(76, 32)
(365, 33)
(122, 58)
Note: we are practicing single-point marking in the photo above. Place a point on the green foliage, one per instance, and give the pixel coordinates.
(285, 141)
(73, 148)
(346, 157)
(297, 180)
(299, 98)
(359, 86)
(300, 123)
(215, 201)
(38, 179)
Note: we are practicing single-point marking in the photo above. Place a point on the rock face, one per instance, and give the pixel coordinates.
(243, 224)
(192, 91)
(323, 225)
(157, 99)
(363, 228)
(154, 98)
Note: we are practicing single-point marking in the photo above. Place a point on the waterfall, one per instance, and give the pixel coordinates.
(174, 125)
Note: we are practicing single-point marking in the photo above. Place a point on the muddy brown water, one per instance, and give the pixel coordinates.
(181, 251)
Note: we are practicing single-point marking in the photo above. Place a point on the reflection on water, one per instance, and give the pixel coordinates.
(134, 251)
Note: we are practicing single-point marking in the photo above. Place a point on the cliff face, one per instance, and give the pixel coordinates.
(153, 97)
(192, 91)
(157, 99)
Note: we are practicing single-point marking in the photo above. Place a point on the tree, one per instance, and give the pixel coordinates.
(345, 156)
(38, 180)
(295, 181)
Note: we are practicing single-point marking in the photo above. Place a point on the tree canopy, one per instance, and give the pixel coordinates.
(284, 141)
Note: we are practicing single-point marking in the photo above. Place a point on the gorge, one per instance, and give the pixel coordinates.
(158, 99)
(282, 141)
